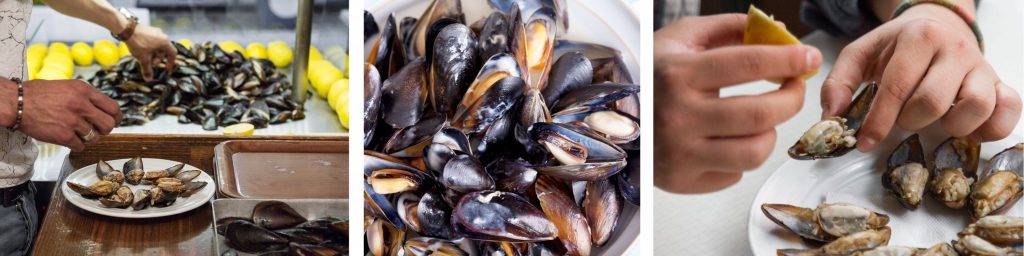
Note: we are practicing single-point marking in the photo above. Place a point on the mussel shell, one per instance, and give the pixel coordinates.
(301, 236)
(559, 206)
(407, 204)
(961, 153)
(453, 138)
(434, 216)
(512, 175)
(628, 180)
(620, 128)
(452, 67)
(594, 95)
(222, 224)
(1010, 159)
(372, 96)
(401, 96)
(494, 69)
(103, 169)
(132, 164)
(387, 49)
(410, 141)
(602, 207)
(464, 173)
(494, 36)
(905, 176)
(436, 156)
(248, 237)
(423, 246)
(532, 109)
(380, 206)
(569, 72)
(799, 220)
(143, 199)
(593, 157)
(489, 215)
(370, 27)
(610, 69)
(494, 104)
(440, 9)
(276, 215)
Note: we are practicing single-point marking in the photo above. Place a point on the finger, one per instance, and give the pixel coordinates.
(73, 140)
(683, 182)
(105, 104)
(846, 76)
(733, 65)
(737, 154)
(717, 30)
(902, 74)
(145, 65)
(101, 122)
(973, 104)
(935, 94)
(1004, 117)
(172, 55)
(750, 114)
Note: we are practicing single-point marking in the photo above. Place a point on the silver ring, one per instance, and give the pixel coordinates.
(89, 136)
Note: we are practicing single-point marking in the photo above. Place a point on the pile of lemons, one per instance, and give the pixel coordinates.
(57, 61)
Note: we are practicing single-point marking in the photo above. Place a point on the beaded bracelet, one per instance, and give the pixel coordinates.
(21, 103)
(967, 17)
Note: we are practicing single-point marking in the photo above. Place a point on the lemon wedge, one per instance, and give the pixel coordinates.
(239, 129)
(762, 29)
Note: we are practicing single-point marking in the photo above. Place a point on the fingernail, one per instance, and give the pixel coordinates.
(811, 56)
(867, 144)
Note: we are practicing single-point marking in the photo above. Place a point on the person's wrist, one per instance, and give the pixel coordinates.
(939, 13)
(9, 99)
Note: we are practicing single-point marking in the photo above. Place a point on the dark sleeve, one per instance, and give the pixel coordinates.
(851, 18)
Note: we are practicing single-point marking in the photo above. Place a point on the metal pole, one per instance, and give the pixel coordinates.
(303, 30)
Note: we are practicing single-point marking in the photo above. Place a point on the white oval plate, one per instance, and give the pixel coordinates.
(856, 178)
(611, 23)
(87, 175)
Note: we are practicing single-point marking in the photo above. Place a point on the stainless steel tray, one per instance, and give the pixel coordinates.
(309, 208)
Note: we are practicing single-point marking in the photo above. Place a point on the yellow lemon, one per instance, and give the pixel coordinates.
(314, 54)
(106, 52)
(50, 74)
(122, 50)
(186, 43)
(239, 129)
(279, 53)
(342, 109)
(323, 76)
(762, 29)
(81, 54)
(37, 51)
(34, 65)
(59, 63)
(58, 47)
(256, 51)
(339, 87)
(230, 46)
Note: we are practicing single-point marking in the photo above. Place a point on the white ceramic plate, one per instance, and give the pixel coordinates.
(87, 175)
(608, 22)
(856, 178)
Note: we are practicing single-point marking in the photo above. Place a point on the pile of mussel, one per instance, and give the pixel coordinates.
(275, 228)
(495, 137)
(167, 185)
(208, 86)
(844, 229)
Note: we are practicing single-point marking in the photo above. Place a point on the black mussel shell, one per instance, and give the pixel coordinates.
(434, 216)
(276, 215)
(569, 72)
(489, 215)
(247, 237)
(464, 173)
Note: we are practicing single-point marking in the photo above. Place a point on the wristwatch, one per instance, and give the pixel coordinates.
(128, 31)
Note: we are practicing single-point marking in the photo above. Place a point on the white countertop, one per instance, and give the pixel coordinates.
(716, 223)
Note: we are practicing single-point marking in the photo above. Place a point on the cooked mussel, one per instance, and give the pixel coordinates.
(559, 206)
(1001, 182)
(121, 198)
(105, 172)
(825, 223)
(248, 237)
(501, 216)
(997, 229)
(97, 189)
(906, 175)
(846, 245)
(953, 171)
(581, 155)
(835, 136)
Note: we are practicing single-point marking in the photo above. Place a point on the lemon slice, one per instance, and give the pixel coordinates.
(239, 129)
(762, 29)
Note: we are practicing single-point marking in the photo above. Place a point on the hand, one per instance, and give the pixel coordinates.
(150, 46)
(930, 69)
(60, 111)
(705, 142)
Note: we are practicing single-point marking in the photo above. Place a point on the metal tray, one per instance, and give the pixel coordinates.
(309, 208)
(260, 169)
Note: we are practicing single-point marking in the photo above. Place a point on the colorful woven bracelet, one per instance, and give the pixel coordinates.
(967, 17)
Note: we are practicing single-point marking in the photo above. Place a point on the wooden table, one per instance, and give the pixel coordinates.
(69, 230)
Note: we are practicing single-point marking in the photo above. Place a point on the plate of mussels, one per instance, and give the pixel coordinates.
(502, 127)
(916, 194)
(141, 188)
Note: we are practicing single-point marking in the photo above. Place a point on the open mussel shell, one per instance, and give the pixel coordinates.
(953, 171)
(436, 156)
(906, 176)
(602, 207)
(410, 141)
(132, 164)
(835, 136)
(97, 189)
(372, 92)
(423, 246)
(1001, 183)
(276, 215)
(495, 69)
(594, 95)
(493, 105)
(825, 222)
(581, 155)
(143, 199)
(560, 207)
(387, 52)
(121, 198)
(401, 97)
(974, 245)
(439, 9)
(389, 175)
(998, 229)
(618, 127)
(501, 216)
(248, 237)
